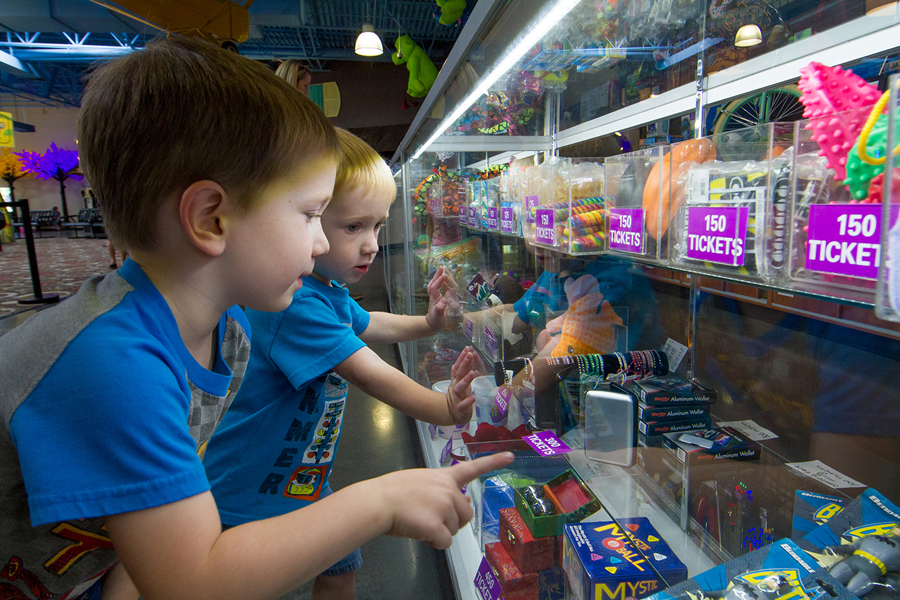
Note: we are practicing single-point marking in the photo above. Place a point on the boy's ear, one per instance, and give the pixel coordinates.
(202, 208)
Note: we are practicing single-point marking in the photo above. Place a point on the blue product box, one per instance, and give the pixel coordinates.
(602, 560)
(812, 510)
(780, 570)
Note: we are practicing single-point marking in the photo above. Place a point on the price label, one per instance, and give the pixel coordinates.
(845, 239)
(469, 328)
(473, 217)
(493, 218)
(507, 219)
(545, 226)
(546, 443)
(717, 234)
(486, 584)
(435, 203)
(490, 341)
(530, 203)
(626, 229)
(504, 394)
(463, 215)
(816, 469)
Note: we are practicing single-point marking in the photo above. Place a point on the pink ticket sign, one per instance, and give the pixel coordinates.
(493, 218)
(507, 219)
(546, 443)
(626, 229)
(845, 239)
(486, 584)
(530, 203)
(545, 226)
(717, 234)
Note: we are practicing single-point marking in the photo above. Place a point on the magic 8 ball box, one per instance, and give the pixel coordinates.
(604, 562)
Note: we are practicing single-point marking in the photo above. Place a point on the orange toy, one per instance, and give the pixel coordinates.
(684, 154)
(587, 326)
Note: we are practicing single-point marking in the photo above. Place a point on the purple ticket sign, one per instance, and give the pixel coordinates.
(490, 341)
(504, 394)
(493, 218)
(546, 443)
(473, 216)
(463, 215)
(626, 229)
(507, 219)
(845, 239)
(530, 202)
(717, 234)
(545, 226)
(486, 584)
(469, 328)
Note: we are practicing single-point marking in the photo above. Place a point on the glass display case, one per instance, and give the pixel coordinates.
(631, 201)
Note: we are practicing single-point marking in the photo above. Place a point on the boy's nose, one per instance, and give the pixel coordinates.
(320, 242)
(370, 245)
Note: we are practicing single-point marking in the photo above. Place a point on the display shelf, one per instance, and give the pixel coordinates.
(801, 357)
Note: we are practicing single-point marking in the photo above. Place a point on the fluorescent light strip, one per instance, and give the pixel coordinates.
(534, 35)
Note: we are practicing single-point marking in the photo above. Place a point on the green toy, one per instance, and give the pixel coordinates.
(451, 11)
(860, 173)
(422, 71)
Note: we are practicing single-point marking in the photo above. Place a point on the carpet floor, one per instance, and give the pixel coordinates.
(63, 265)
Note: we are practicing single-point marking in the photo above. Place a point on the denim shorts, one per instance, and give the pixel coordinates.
(351, 562)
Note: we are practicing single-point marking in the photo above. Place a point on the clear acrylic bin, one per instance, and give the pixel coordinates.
(730, 197)
(835, 225)
(633, 227)
(887, 303)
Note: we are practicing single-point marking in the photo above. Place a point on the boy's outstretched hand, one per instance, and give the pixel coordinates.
(460, 399)
(427, 504)
(442, 298)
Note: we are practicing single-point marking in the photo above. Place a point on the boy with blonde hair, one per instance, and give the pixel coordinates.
(275, 448)
(213, 173)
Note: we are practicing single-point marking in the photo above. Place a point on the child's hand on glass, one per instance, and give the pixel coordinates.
(443, 299)
(460, 400)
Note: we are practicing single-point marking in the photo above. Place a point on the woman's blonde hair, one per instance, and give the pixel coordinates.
(292, 70)
(361, 166)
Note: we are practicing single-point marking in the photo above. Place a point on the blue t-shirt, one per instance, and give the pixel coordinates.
(102, 411)
(274, 450)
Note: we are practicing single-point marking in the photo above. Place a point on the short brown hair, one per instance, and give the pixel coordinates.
(361, 166)
(183, 110)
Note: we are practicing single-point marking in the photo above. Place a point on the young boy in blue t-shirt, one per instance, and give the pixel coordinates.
(275, 448)
(213, 173)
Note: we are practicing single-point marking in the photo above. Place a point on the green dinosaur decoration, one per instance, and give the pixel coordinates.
(451, 11)
(422, 71)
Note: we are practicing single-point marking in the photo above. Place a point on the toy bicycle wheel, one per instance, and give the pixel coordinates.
(772, 106)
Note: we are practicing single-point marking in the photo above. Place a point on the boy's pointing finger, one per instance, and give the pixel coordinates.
(467, 471)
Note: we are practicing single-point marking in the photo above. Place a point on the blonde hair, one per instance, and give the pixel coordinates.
(292, 70)
(361, 166)
(183, 110)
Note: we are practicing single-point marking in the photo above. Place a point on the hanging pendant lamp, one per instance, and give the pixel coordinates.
(368, 43)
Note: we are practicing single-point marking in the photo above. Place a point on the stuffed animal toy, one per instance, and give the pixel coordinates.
(451, 11)
(587, 325)
(422, 71)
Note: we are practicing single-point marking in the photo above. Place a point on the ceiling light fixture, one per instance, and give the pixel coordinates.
(368, 43)
(748, 35)
(549, 18)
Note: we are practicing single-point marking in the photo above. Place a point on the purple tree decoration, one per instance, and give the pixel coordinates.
(55, 163)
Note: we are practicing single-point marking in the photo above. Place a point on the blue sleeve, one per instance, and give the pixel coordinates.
(311, 340)
(97, 439)
(535, 297)
(359, 316)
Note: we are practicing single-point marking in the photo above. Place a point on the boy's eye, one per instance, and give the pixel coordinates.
(352, 228)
